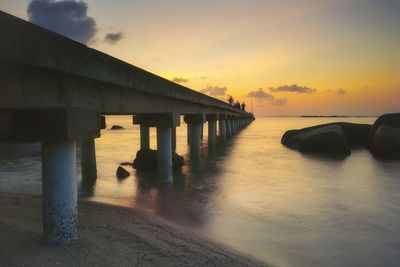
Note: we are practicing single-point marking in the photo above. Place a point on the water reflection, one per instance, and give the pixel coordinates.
(253, 194)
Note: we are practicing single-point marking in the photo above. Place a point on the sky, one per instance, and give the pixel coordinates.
(281, 57)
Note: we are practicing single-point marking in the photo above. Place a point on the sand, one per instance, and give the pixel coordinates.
(108, 236)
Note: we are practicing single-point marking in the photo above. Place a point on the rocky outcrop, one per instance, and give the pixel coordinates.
(384, 138)
(117, 127)
(392, 120)
(122, 173)
(146, 160)
(327, 139)
(355, 134)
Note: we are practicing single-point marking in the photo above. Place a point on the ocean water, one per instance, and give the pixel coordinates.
(252, 193)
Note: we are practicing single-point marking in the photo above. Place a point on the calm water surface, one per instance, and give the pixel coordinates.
(253, 194)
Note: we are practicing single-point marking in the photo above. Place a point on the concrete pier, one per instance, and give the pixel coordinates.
(164, 154)
(88, 161)
(59, 192)
(81, 84)
(195, 121)
(212, 129)
(144, 137)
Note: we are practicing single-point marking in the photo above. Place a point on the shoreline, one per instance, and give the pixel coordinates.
(109, 235)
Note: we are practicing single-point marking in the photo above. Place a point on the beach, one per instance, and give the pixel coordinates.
(108, 236)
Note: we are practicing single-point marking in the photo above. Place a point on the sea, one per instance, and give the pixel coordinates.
(250, 193)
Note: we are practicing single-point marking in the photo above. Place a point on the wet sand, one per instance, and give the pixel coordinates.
(108, 236)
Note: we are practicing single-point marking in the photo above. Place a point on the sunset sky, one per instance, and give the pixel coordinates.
(291, 57)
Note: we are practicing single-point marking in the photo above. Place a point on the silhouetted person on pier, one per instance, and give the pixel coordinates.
(230, 100)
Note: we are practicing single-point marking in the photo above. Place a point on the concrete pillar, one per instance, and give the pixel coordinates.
(173, 138)
(195, 121)
(144, 137)
(202, 131)
(164, 154)
(212, 129)
(229, 128)
(59, 192)
(88, 161)
(188, 133)
(195, 142)
(222, 127)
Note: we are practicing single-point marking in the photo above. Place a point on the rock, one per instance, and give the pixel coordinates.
(146, 160)
(122, 173)
(355, 134)
(117, 127)
(392, 120)
(386, 142)
(325, 139)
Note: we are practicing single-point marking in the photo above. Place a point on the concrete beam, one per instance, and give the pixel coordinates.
(157, 119)
(52, 124)
(81, 76)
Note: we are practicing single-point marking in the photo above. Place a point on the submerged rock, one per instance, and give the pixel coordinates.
(122, 173)
(146, 160)
(117, 127)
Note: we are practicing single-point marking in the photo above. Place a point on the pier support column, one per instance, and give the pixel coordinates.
(228, 127)
(165, 124)
(212, 129)
(188, 133)
(164, 154)
(195, 121)
(222, 127)
(57, 129)
(144, 137)
(59, 192)
(88, 161)
(173, 138)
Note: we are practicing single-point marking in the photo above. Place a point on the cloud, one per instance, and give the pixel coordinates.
(113, 38)
(279, 102)
(214, 90)
(68, 18)
(262, 95)
(293, 88)
(180, 80)
(340, 91)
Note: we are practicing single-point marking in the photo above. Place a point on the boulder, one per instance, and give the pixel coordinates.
(117, 127)
(146, 160)
(392, 120)
(329, 139)
(386, 142)
(122, 173)
(355, 134)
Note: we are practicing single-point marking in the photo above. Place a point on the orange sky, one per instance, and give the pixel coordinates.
(343, 56)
